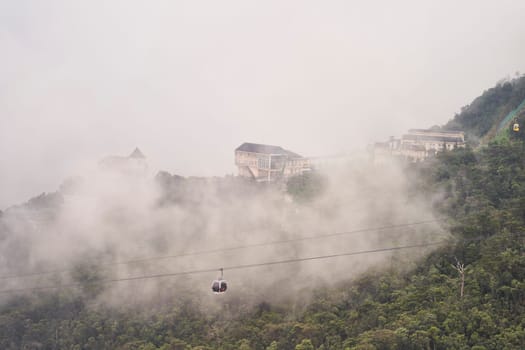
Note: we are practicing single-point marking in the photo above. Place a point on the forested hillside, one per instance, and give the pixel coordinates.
(467, 294)
(481, 118)
(482, 196)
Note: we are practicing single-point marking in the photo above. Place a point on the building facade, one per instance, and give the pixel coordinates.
(266, 163)
(434, 140)
(418, 144)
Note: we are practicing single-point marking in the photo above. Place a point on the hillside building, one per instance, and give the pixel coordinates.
(434, 140)
(418, 144)
(134, 164)
(266, 163)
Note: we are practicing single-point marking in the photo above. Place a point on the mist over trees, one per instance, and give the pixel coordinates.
(481, 195)
(468, 293)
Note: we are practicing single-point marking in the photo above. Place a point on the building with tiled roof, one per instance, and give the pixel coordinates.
(134, 164)
(419, 144)
(267, 162)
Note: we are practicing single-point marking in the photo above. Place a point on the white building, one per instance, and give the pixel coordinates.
(418, 144)
(433, 140)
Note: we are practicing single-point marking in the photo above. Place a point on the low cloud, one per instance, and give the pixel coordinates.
(105, 217)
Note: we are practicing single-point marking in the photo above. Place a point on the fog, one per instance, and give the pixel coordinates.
(189, 81)
(116, 222)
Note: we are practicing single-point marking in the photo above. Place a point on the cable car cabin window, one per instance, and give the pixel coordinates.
(219, 286)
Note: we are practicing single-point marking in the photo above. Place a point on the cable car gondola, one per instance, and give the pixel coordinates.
(219, 285)
(516, 127)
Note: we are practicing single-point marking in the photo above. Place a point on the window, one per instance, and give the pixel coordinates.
(263, 162)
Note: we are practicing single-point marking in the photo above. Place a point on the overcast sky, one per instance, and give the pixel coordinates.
(188, 81)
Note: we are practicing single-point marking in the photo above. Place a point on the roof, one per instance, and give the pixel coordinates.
(433, 138)
(437, 131)
(266, 149)
(137, 154)
(447, 133)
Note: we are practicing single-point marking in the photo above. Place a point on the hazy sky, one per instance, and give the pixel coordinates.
(188, 81)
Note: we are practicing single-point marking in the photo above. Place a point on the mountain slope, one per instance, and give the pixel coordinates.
(469, 294)
(481, 119)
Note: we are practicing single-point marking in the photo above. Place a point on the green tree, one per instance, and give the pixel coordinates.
(305, 344)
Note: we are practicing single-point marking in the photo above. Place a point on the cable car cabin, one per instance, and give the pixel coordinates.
(219, 286)
(516, 127)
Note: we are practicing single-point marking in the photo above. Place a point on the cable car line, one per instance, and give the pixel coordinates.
(226, 249)
(233, 267)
